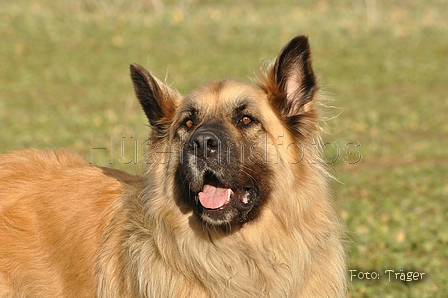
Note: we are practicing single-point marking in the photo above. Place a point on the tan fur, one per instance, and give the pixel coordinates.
(70, 229)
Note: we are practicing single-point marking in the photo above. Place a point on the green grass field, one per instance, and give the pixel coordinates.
(64, 82)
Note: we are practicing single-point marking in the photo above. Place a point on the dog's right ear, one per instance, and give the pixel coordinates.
(157, 99)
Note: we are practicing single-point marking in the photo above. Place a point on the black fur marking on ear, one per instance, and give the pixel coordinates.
(294, 75)
(148, 93)
(157, 100)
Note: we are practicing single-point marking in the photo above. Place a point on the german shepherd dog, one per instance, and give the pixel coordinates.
(234, 203)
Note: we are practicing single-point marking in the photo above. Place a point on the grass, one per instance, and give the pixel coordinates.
(64, 83)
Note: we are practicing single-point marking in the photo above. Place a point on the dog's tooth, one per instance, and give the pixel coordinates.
(229, 193)
(246, 198)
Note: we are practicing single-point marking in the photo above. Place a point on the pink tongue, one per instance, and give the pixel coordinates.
(213, 197)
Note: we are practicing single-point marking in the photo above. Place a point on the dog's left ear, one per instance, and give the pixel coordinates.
(294, 77)
(157, 99)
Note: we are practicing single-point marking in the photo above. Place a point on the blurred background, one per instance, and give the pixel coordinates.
(64, 82)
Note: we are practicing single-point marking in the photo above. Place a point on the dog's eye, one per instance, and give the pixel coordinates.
(246, 120)
(189, 123)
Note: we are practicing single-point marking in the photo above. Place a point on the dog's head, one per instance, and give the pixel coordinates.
(224, 137)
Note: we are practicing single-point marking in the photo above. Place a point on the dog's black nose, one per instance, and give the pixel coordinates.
(204, 142)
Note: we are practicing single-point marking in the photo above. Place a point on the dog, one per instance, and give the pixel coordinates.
(234, 202)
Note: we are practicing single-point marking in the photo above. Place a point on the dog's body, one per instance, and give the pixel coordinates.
(235, 206)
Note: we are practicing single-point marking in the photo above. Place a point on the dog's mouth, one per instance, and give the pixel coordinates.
(218, 203)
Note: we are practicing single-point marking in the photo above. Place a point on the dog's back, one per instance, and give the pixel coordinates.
(42, 245)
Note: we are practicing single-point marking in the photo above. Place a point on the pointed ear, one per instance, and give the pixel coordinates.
(158, 100)
(294, 77)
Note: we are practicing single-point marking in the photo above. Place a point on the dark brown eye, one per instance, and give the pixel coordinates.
(246, 120)
(189, 123)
